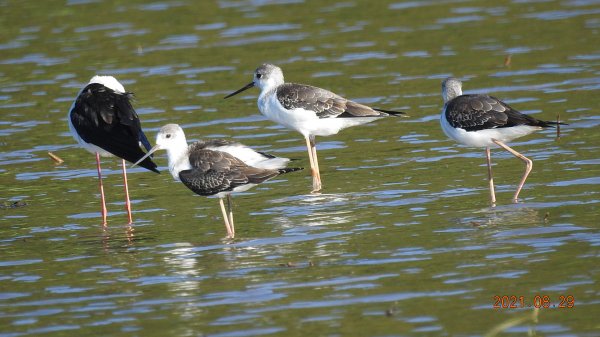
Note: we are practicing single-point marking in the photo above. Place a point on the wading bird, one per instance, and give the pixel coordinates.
(217, 167)
(309, 110)
(103, 121)
(483, 121)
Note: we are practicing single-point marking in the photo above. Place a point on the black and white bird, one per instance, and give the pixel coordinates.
(483, 121)
(217, 167)
(309, 110)
(103, 121)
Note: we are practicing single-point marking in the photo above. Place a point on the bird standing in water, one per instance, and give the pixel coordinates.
(309, 110)
(484, 121)
(103, 121)
(217, 167)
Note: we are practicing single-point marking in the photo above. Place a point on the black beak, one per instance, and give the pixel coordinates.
(248, 86)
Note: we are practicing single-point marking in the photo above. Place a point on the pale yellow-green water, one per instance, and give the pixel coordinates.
(402, 242)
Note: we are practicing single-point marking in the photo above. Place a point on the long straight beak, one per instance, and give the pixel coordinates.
(152, 150)
(248, 86)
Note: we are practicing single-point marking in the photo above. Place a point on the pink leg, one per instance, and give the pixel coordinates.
(490, 177)
(127, 202)
(528, 166)
(104, 211)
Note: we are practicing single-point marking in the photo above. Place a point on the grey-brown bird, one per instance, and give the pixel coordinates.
(217, 167)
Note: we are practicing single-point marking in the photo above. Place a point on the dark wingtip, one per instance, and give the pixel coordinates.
(392, 113)
(551, 124)
(266, 154)
(290, 169)
(149, 165)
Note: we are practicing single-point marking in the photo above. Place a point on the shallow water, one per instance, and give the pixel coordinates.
(401, 242)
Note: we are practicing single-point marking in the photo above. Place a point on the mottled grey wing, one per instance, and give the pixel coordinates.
(215, 171)
(324, 103)
(479, 112)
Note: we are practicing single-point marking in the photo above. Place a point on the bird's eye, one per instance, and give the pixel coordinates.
(258, 75)
(168, 135)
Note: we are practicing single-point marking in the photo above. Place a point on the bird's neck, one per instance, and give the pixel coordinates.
(178, 160)
(270, 85)
(451, 93)
(265, 94)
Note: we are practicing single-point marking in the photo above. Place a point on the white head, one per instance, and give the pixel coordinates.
(266, 76)
(170, 136)
(109, 82)
(172, 139)
(451, 88)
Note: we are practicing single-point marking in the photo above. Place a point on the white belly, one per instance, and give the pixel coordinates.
(483, 138)
(305, 121)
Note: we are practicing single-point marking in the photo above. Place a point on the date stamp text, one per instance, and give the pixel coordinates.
(537, 301)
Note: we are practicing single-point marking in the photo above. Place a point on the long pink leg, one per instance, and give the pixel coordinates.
(316, 162)
(313, 170)
(490, 177)
(104, 211)
(127, 202)
(528, 166)
(225, 219)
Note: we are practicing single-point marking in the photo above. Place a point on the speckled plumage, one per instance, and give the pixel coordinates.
(324, 103)
(217, 167)
(213, 171)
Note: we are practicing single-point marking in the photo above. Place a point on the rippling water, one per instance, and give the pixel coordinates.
(401, 242)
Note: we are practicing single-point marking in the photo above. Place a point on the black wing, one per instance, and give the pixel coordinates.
(324, 103)
(107, 119)
(479, 112)
(215, 171)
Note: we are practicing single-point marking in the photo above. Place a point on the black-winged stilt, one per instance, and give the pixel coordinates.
(216, 167)
(309, 110)
(103, 121)
(482, 121)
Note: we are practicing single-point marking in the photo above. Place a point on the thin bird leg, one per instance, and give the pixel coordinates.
(127, 201)
(528, 166)
(104, 211)
(225, 219)
(316, 163)
(312, 165)
(230, 208)
(490, 176)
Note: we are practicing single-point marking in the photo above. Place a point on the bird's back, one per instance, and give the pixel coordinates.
(107, 119)
(324, 103)
(215, 171)
(244, 153)
(480, 112)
